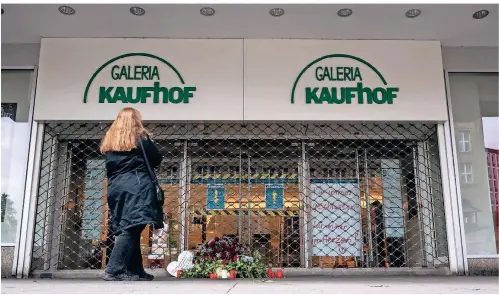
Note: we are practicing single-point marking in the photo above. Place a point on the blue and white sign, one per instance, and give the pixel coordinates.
(274, 196)
(216, 197)
(393, 210)
(336, 218)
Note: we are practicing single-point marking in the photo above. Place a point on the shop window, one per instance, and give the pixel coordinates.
(15, 141)
(475, 107)
(466, 173)
(464, 141)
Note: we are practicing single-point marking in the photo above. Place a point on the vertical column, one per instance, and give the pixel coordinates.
(184, 179)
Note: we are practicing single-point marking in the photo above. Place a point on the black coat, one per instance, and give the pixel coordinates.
(131, 194)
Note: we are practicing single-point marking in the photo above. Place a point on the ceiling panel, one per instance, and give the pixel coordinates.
(452, 24)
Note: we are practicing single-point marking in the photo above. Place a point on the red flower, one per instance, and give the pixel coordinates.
(235, 258)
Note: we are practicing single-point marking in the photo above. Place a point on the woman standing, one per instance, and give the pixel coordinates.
(132, 194)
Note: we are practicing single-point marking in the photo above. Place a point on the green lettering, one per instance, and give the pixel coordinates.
(319, 76)
(338, 98)
(157, 90)
(391, 93)
(357, 75)
(379, 95)
(179, 97)
(145, 73)
(360, 94)
(339, 74)
(114, 73)
(326, 95)
(155, 73)
(349, 94)
(119, 94)
(348, 74)
(123, 73)
(105, 94)
(146, 94)
(131, 99)
(328, 72)
(137, 73)
(188, 93)
(311, 94)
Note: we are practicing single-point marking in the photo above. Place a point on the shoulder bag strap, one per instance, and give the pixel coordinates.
(151, 172)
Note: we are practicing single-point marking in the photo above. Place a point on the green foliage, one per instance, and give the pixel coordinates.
(228, 254)
(204, 267)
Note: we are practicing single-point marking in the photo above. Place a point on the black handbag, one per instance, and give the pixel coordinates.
(160, 194)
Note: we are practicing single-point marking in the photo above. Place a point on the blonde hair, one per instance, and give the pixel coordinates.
(124, 133)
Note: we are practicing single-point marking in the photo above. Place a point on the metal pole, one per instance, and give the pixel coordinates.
(239, 216)
(305, 229)
(368, 209)
(249, 200)
(183, 198)
(357, 166)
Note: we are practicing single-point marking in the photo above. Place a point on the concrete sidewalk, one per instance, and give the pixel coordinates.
(295, 285)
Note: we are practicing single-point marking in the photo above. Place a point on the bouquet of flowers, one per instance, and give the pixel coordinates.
(225, 248)
(228, 255)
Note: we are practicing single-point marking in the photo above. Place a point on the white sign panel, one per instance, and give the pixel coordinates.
(344, 80)
(336, 218)
(393, 210)
(165, 79)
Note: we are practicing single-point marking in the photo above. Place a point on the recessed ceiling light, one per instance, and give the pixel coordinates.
(480, 14)
(139, 11)
(207, 11)
(67, 10)
(276, 12)
(412, 13)
(345, 12)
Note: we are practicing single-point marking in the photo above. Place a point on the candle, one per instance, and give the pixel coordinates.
(179, 273)
(232, 274)
(269, 273)
(279, 274)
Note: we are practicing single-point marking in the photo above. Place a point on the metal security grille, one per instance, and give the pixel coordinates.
(300, 194)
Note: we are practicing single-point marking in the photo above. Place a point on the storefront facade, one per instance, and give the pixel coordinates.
(317, 154)
(338, 156)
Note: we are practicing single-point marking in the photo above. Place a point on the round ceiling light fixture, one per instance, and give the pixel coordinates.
(345, 12)
(66, 10)
(276, 12)
(138, 11)
(207, 11)
(481, 14)
(412, 13)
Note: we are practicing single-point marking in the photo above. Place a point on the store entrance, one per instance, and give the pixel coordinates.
(316, 195)
(247, 189)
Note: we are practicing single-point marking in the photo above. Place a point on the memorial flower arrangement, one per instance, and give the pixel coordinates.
(226, 255)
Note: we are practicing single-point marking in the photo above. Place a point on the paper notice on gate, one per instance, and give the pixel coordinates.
(336, 218)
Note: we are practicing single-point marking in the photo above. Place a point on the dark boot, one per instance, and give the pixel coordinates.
(121, 277)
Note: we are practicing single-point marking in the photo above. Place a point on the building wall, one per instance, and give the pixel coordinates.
(15, 55)
(471, 59)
